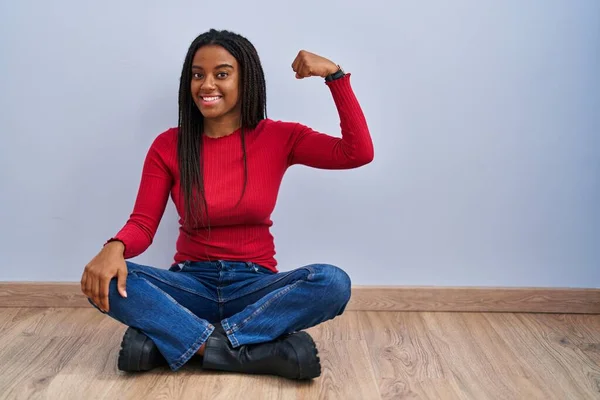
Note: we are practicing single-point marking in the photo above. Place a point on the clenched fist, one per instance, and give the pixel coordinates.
(309, 64)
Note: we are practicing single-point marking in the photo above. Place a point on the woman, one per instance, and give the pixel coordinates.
(224, 298)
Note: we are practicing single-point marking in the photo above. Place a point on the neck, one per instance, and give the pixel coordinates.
(219, 128)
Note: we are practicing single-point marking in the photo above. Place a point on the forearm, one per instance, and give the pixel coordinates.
(356, 143)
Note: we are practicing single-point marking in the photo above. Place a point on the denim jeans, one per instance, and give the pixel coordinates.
(177, 307)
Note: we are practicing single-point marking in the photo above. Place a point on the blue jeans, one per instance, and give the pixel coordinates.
(177, 307)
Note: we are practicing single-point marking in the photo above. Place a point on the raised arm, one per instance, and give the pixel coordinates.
(320, 150)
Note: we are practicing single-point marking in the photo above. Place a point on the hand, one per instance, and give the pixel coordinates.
(308, 64)
(100, 271)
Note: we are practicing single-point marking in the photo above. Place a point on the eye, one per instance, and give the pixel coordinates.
(197, 75)
(222, 75)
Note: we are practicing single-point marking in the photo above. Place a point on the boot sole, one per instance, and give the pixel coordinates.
(132, 357)
(312, 368)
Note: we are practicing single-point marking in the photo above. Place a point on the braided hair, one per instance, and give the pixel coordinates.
(191, 122)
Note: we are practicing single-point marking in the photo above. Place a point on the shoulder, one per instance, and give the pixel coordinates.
(277, 128)
(165, 142)
(167, 138)
(163, 149)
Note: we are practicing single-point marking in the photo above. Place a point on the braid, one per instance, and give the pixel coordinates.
(253, 110)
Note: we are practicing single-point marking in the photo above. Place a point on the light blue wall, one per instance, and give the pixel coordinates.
(485, 117)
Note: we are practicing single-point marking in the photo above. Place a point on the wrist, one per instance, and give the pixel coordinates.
(337, 74)
(115, 245)
(332, 70)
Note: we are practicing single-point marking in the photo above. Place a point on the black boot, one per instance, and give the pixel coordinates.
(293, 356)
(138, 352)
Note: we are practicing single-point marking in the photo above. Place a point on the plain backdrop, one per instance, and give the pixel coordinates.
(485, 117)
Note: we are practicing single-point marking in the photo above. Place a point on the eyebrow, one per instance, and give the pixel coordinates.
(217, 67)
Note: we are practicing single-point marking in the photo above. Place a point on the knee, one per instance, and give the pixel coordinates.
(337, 283)
(114, 296)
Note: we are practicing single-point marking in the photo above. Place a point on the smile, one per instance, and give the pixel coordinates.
(211, 99)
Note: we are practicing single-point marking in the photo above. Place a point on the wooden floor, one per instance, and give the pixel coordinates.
(70, 353)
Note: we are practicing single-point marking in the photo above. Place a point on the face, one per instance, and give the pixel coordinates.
(215, 83)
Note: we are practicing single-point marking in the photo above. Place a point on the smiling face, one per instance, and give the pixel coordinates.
(215, 83)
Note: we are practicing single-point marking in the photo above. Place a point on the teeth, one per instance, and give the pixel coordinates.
(211, 98)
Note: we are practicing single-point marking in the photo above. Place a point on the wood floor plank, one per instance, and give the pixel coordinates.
(343, 327)
(92, 372)
(532, 353)
(402, 356)
(346, 372)
(21, 322)
(562, 344)
(27, 370)
(6, 318)
(72, 354)
(580, 332)
(479, 373)
(505, 361)
(72, 322)
(225, 386)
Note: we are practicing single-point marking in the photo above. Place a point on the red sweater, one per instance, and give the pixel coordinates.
(242, 233)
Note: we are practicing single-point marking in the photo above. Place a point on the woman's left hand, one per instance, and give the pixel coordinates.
(309, 64)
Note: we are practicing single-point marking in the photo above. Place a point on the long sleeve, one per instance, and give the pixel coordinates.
(319, 150)
(153, 193)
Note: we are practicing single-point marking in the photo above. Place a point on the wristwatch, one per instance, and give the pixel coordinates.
(336, 75)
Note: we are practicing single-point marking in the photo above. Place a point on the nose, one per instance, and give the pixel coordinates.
(208, 83)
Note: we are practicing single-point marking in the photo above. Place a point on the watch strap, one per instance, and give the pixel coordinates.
(336, 75)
